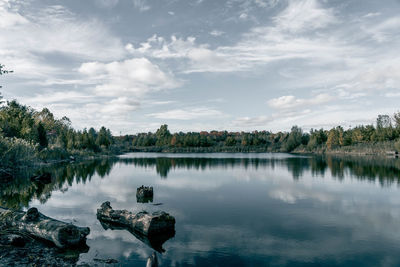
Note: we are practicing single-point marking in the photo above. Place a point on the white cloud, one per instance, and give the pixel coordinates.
(306, 15)
(132, 77)
(141, 5)
(251, 122)
(243, 16)
(216, 33)
(384, 31)
(372, 14)
(290, 101)
(10, 19)
(187, 114)
(25, 39)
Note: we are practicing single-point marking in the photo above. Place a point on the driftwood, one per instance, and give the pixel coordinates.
(144, 194)
(141, 222)
(34, 223)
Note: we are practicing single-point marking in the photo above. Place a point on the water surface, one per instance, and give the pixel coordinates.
(233, 209)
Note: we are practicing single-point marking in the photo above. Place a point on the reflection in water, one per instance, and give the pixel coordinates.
(18, 192)
(154, 241)
(231, 209)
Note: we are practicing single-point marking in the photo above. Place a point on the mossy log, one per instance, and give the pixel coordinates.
(34, 223)
(142, 222)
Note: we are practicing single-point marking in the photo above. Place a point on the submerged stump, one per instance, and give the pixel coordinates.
(34, 223)
(144, 194)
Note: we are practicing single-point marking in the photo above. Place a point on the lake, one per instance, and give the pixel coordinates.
(232, 209)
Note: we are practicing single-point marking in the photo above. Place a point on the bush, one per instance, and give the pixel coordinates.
(15, 152)
(397, 145)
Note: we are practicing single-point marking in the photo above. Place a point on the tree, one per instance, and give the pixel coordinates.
(103, 138)
(163, 135)
(383, 121)
(3, 71)
(333, 139)
(396, 118)
(294, 139)
(42, 136)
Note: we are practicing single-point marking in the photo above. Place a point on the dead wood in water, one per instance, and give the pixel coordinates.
(142, 222)
(144, 194)
(34, 223)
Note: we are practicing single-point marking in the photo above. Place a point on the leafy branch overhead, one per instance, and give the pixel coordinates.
(4, 71)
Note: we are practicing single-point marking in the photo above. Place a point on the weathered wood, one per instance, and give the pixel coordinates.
(144, 194)
(33, 222)
(142, 222)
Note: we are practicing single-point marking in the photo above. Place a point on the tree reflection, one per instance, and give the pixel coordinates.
(19, 191)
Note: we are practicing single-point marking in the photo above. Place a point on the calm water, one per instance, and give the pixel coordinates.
(233, 209)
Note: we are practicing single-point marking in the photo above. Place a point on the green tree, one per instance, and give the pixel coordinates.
(42, 136)
(294, 139)
(104, 138)
(163, 135)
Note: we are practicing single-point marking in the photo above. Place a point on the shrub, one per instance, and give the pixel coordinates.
(15, 152)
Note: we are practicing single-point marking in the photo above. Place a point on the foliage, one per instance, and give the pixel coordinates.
(26, 131)
(265, 141)
(3, 71)
(15, 151)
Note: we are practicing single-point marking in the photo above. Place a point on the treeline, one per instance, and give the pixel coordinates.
(27, 135)
(264, 141)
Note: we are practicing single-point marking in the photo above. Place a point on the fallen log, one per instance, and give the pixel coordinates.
(34, 223)
(142, 222)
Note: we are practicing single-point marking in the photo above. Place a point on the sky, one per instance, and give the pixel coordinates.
(236, 65)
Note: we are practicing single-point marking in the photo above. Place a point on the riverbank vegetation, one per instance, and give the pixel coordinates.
(370, 139)
(28, 136)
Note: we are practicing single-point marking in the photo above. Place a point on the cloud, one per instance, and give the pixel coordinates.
(141, 5)
(243, 16)
(107, 3)
(10, 19)
(306, 15)
(187, 114)
(251, 122)
(26, 40)
(131, 77)
(290, 101)
(216, 33)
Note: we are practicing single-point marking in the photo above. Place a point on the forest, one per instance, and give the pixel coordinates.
(379, 138)
(28, 136)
